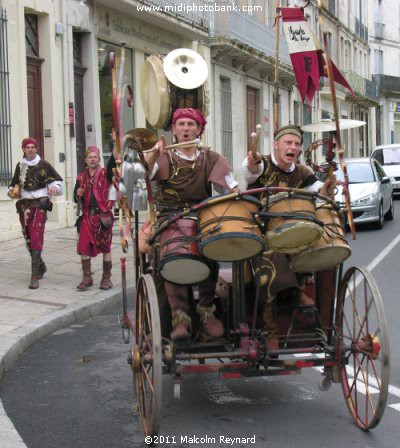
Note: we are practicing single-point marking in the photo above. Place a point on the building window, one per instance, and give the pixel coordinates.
(5, 113)
(252, 112)
(31, 35)
(226, 119)
(378, 62)
(77, 48)
(105, 82)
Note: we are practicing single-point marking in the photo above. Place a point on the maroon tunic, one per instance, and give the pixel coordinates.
(33, 212)
(95, 234)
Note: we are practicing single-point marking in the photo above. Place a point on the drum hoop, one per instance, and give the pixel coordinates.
(302, 215)
(218, 219)
(228, 235)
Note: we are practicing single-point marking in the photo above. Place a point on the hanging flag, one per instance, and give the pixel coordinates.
(306, 54)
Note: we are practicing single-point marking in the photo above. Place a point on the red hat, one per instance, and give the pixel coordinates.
(29, 141)
(192, 114)
(93, 148)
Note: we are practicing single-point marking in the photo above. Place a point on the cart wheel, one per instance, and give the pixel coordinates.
(147, 355)
(363, 347)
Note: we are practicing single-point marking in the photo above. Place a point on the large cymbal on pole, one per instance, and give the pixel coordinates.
(330, 125)
(185, 68)
(146, 139)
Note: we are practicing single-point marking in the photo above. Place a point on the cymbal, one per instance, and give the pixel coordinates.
(330, 125)
(144, 137)
(185, 68)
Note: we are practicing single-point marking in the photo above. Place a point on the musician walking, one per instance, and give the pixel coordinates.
(95, 229)
(33, 183)
(280, 169)
(185, 177)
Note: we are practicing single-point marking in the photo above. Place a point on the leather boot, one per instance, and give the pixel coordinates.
(271, 327)
(42, 268)
(181, 325)
(105, 282)
(34, 284)
(211, 327)
(87, 280)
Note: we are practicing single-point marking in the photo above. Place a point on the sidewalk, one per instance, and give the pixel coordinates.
(28, 315)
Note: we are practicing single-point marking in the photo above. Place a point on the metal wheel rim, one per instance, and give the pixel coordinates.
(365, 380)
(148, 380)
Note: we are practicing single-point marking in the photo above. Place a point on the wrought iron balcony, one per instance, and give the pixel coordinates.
(246, 29)
(389, 86)
(357, 82)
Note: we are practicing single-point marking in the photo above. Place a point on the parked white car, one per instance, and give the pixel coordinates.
(389, 157)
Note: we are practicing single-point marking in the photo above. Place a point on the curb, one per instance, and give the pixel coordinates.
(17, 341)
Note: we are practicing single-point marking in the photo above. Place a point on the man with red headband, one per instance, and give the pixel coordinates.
(185, 177)
(33, 183)
(95, 229)
(280, 169)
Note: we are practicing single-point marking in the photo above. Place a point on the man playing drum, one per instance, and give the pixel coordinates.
(185, 177)
(280, 169)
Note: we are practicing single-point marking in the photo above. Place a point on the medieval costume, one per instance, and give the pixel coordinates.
(183, 180)
(273, 268)
(96, 223)
(33, 179)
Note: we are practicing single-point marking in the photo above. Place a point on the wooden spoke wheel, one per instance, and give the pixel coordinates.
(363, 347)
(147, 355)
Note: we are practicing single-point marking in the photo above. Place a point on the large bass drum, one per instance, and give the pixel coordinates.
(160, 97)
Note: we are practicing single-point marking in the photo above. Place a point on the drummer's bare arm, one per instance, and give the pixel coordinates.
(253, 162)
(157, 150)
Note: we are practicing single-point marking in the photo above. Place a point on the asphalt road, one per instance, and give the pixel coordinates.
(74, 389)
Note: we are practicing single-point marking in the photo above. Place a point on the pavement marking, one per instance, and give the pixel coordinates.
(383, 253)
(40, 302)
(395, 406)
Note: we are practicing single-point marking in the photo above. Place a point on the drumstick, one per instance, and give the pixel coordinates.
(255, 137)
(195, 142)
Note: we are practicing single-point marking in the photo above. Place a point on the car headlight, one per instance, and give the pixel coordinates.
(363, 201)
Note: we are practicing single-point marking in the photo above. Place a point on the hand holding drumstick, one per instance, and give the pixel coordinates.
(254, 157)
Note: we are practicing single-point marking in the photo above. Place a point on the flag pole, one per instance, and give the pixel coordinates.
(340, 152)
(276, 78)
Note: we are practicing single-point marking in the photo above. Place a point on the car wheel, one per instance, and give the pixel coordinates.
(390, 213)
(379, 224)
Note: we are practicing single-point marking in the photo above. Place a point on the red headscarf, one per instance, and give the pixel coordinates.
(192, 114)
(93, 148)
(29, 141)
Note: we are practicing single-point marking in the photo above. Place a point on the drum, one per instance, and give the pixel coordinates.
(180, 259)
(331, 249)
(160, 98)
(292, 225)
(228, 229)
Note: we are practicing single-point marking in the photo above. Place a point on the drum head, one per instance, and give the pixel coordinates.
(319, 259)
(154, 92)
(293, 238)
(232, 247)
(184, 270)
